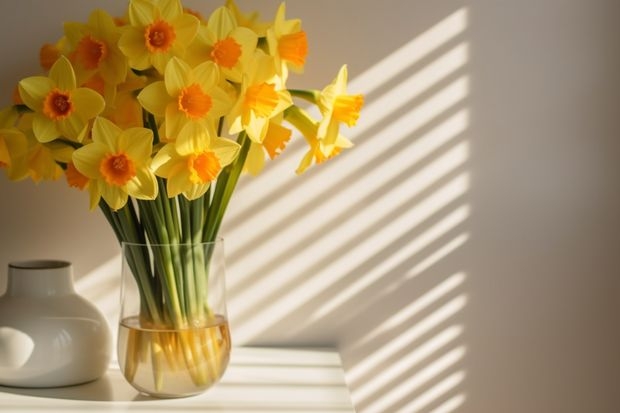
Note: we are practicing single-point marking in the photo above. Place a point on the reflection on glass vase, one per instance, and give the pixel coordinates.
(174, 339)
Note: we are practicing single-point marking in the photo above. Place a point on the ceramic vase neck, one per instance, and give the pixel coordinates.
(40, 278)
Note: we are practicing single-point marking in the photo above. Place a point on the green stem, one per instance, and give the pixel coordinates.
(224, 188)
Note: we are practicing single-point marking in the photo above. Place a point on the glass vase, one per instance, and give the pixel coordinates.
(174, 339)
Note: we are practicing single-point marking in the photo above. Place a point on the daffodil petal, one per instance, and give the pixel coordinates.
(143, 185)
(186, 28)
(255, 160)
(44, 129)
(170, 8)
(73, 128)
(162, 161)
(114, 196)
(195, 191)
(176, 76)
(88, 103)
(226, 150)
(62, 74)
(206, 75)
(33, 91)
(105, 132)
(137, 142)
(132, 45)
(140, 12)
(86, 159)
(221, 22)
(154, 98)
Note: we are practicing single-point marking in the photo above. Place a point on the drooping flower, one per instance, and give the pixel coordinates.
(94, 49)
(309, 129)
(222, 41)
(157, 31)
(117, 162)
(288, 43)
(261, 98)
(61, 108)
(337, 107)
(275, 141)
(185, 96)
(190, 168)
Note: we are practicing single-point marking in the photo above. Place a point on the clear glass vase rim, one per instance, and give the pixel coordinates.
(39, 264)
(217, 240)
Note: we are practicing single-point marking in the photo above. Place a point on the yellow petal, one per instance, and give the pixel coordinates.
(33, 91)
(141, 12)
(154, 98)
(88, 103)
(185, 27)
(143, 185)
(114, 196)
(62, 74)
(88, 158)
(226, 150)
(176, 76)
(137, 143)
(73, 128)
(193, 138)
(195, 191)
(221, 22)
(105, 132)
(163, 161)
(255, 160)
(132, 45)
(44, 129)
(206, 75)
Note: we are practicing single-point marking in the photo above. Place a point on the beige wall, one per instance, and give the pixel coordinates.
(463, 256)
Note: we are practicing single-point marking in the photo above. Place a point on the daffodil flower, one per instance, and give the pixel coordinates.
(275, 141)
(288, 43)
(157, 31)
(95, 49)
(185, 96)
(261, 98)
(61, 108)
(309, 129)
(337, 107)
(189, 169)
(222, 41)
(117, 162)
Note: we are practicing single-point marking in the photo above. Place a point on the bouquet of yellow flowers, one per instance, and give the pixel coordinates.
(157, 114)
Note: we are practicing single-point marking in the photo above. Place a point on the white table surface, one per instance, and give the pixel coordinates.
(258, 380)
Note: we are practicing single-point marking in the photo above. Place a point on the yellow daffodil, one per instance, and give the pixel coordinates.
(117, 162)
(288, 44)
(185, 96)
(337, 107)
(61, 108)
(261, 98)
(189, 169)
(250, 20)
(94, 49)
(275, 141)
(309, 129)
(157, 31)
(230, 47)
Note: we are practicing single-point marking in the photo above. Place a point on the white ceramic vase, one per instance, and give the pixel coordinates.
(49, 335)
